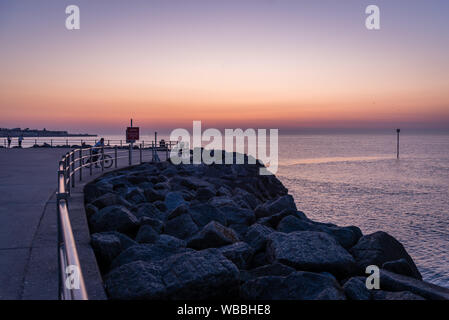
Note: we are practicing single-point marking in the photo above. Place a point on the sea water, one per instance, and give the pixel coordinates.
(355, 179)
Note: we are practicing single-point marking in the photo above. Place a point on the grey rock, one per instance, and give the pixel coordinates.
(156, 224)
(276, 206)
(106, 200)
(240, 253)
(149, 210)
(275, 269)
(145, 252)
(135, 281)
(146, 234)
(346, 236)
(153, 195)
(401, 295)
(292, 224)
(181, 227)
(259, 260)
(205, 193)
(135, 196)
(93, 191)
(236, 215)
(273, 221)
(213, 235)
(378, 248)
(222, 201)
(257, 236)
(106, 246)
(170, 242)
(396, 282)
(90, 210)
(400, 266)
(179, 210)
(297, 286)
(205, 274)
(355, 289)
(202, 214)
(114, 218)
(310, 251)
(173, 200)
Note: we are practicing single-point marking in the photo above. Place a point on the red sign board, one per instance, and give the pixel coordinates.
(132, 134)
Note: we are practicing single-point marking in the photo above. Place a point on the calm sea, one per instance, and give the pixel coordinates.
(355, 179)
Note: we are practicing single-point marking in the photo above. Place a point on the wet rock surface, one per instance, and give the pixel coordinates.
(164, 231)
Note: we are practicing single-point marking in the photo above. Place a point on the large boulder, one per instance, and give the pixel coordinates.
(135, 196)
(213, 235)
(106, 246)
(156, 224)
(240, 253)
(310, 251)
(238, 216)
(355, 289)
(257, 236)
(145, 252)
(181, 227)
(275, 206)
(297, 286)
(205, 274)
(107, 200)
(401, 295)
(400, 266)
(170, 242)
(114, 218)
(292, 224)
(273, 221)
(395, 282)
(202, 214)
(173, 200)
(149, 210)
(153, 195)
(275, 269)
(346, 236)
(378, 248)
(146, 234)
(135, 281)
(93, 191)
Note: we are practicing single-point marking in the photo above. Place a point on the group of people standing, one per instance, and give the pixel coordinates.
(19, 140)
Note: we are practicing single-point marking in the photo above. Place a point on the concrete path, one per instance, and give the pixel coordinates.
(28, 225)
(27, 184)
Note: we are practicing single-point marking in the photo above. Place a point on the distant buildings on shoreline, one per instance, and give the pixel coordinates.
(17, 132)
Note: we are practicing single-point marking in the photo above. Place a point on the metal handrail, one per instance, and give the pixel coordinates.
(71, 281)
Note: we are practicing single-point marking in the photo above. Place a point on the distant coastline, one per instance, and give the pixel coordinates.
(17, 132)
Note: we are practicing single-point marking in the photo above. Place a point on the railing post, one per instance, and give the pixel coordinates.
(81, 162)
(67, 173)
(102, 158)
(90, 160)
(115, 154)
(72, 175)
(140, 149)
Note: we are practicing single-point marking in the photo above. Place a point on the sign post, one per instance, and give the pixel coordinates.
(132, 135)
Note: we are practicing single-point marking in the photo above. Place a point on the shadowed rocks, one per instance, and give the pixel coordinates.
(164, 231)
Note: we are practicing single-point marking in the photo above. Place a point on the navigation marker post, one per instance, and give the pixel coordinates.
(397, 147)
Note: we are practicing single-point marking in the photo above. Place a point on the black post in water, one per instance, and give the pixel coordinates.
(397, 149)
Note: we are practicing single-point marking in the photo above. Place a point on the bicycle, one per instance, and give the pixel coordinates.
(108, 161)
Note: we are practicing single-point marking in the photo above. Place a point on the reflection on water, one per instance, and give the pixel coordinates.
(356, 179)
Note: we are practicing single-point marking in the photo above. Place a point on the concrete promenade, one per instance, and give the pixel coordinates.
(28, 225)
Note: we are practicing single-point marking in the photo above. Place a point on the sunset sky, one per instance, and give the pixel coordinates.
(234, 63)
